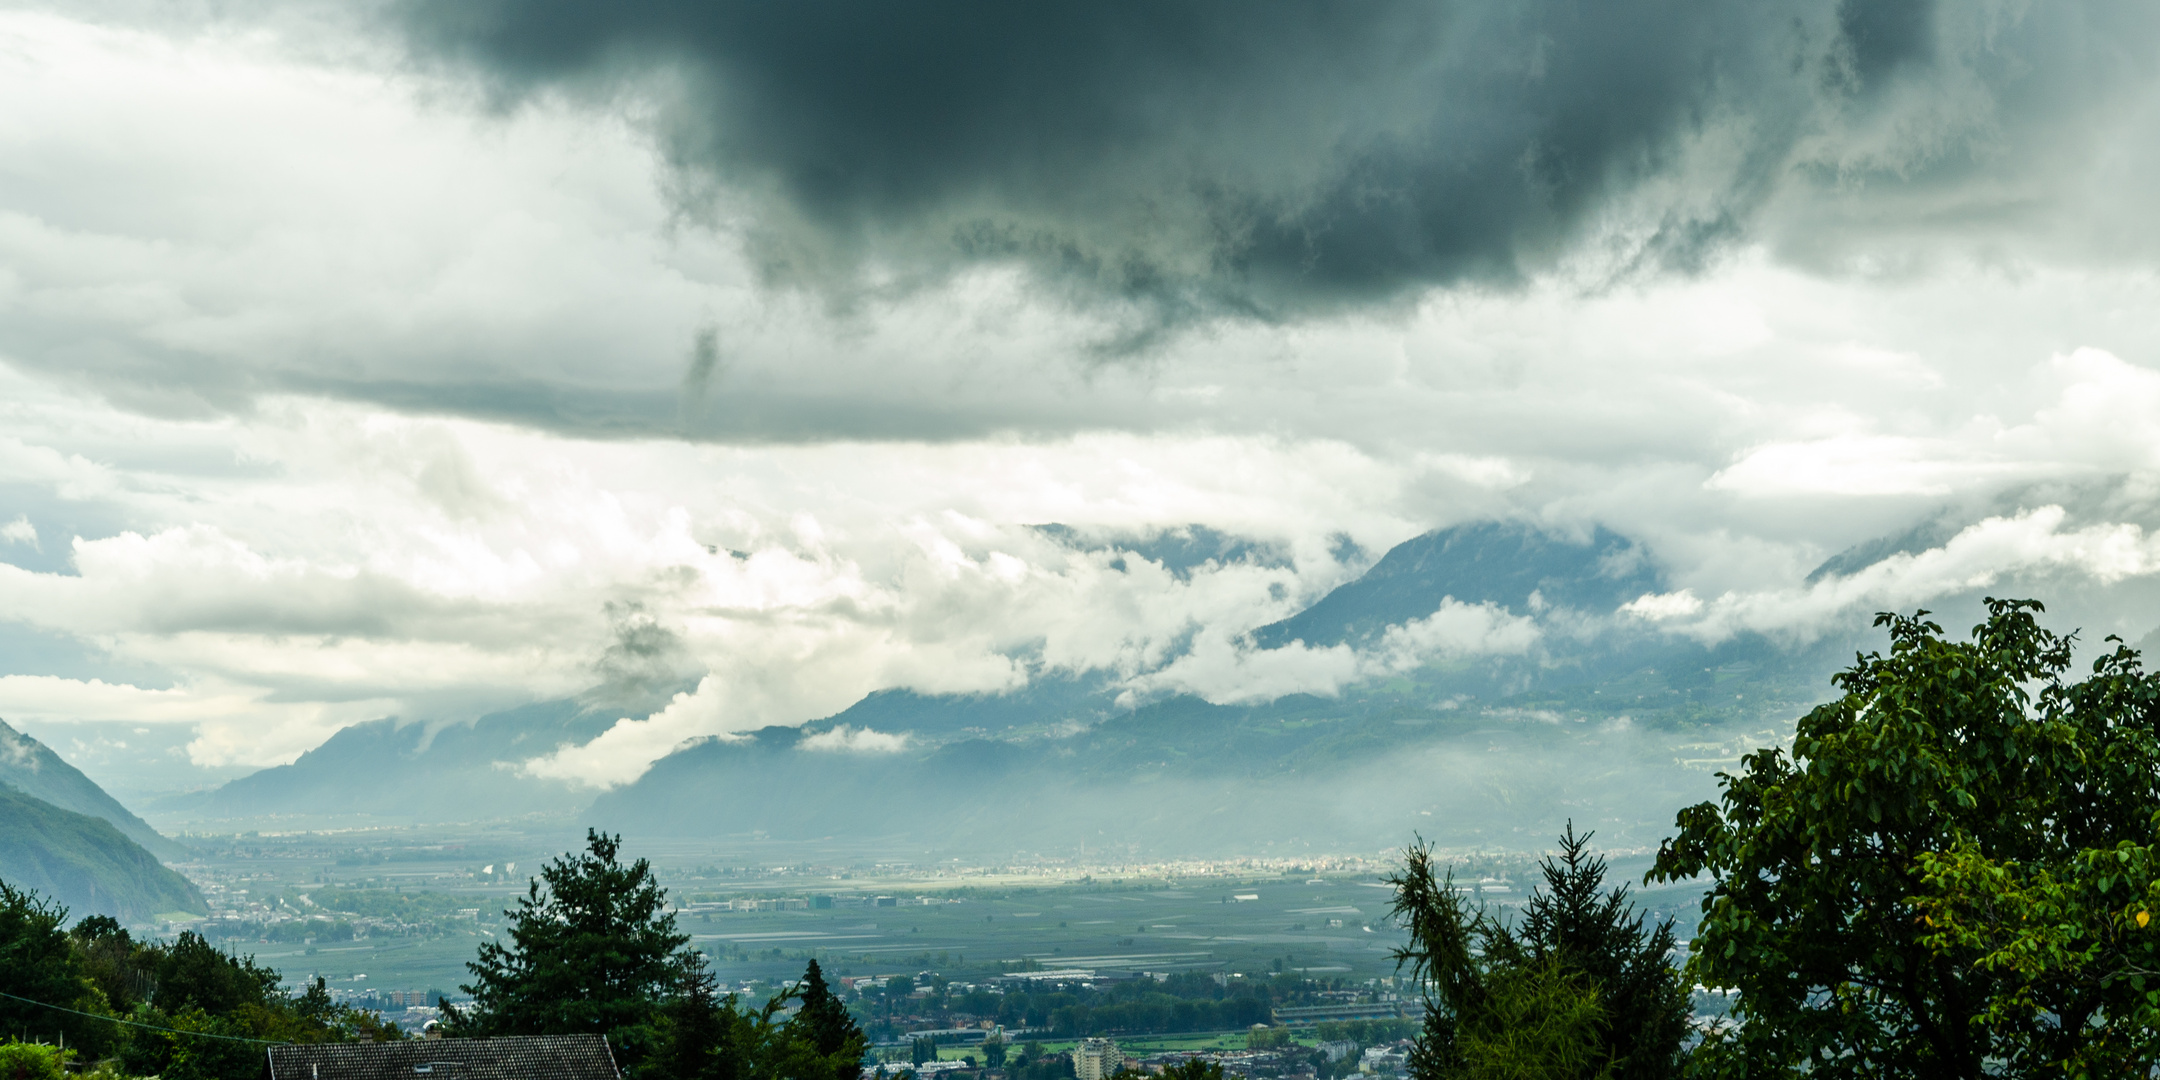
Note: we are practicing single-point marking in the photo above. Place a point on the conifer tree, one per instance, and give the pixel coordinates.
(1580, 989)
(591, 950)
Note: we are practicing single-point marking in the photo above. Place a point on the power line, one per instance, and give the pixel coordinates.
(149, 1027)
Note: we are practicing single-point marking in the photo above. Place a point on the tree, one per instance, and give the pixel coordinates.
(2087, 923)
(1960, 779)
(823, 1024)
(591, 950)
(104, 953)
(36, 962)
(994, 1051)
(1594, 933)
(32, 1061)
(195, 974)
(699, 1035)
(1580, 989)
(1540, 1021)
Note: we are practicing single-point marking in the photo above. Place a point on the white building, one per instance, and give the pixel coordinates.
(1096, 1059)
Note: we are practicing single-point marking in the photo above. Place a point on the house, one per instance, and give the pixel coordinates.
(518, 1057)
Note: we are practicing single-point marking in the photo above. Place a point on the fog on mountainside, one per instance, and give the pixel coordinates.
(1597, 716)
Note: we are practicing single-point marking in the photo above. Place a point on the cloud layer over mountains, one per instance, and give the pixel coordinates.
(419, 360)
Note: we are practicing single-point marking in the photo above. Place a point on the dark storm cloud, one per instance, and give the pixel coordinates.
(1265, 157)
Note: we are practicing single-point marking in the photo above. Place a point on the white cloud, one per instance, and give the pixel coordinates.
(20, 531)
(1455, 630)
(1661, 606)
(231, 722)
(1978, 557)
(844, 739)
(1227, 670)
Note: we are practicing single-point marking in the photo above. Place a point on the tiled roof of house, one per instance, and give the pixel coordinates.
(519, 1057)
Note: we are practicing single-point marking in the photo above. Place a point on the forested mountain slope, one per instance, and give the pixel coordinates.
(30, 767)
(86, 863)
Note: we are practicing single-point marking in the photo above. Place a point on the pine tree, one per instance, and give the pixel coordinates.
(824, 1021)
(699, 1034)
(1581, 988)
(593, 950)
(1597, 935)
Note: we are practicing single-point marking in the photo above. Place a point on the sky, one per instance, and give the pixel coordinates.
(414, 360)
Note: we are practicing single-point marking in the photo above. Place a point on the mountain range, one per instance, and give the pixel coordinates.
(413, 772)
(1604, 719)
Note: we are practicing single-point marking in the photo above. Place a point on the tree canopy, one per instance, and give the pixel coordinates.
(1944, 876)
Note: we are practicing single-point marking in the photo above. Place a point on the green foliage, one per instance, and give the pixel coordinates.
(697, 1035)
(2051, 929)
(36, 962)
(1580, 989)
(110, 959)
(1540, 1021)
(1600, 943)
(186, 1054)
(592, 950)
(1365, 1032)
(829, 1041)
(193, 973)
(32, 1061)
(1963, 782)
(188, 986)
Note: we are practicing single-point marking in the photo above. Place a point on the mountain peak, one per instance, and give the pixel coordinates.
(1516, 566)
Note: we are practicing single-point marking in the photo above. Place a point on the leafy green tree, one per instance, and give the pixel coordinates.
(191, 1051)
(123, 971)
(2089, 923)
(994, 1051)
(37, 962)
(32, 1061)
(193, 973)
(1946, 780)
(1580, 989)
(591, 950)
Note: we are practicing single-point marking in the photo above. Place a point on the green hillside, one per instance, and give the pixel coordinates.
(85, 863)
(30, 767)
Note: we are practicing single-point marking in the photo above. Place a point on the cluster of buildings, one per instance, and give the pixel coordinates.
(818, 902)
(1101, 1059)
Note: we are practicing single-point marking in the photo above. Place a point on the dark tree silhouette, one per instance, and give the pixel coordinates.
(591, 950)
